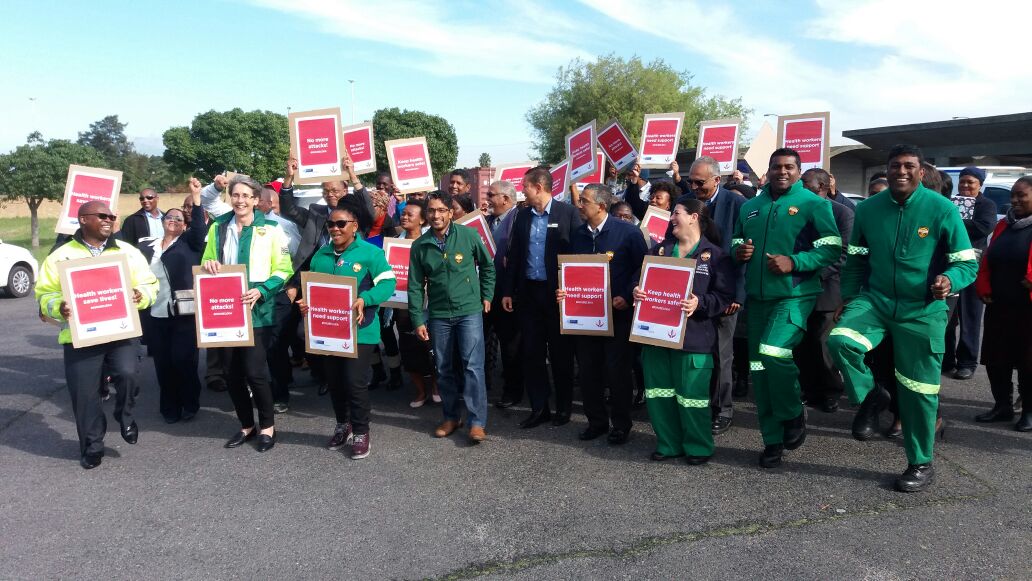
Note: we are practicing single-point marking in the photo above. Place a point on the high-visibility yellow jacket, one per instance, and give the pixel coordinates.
(48, 286)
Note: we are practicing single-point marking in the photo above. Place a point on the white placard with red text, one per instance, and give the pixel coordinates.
(98, 291)
(654, 225)
(719, 139)
(317, 143)
(478, 222)
(616, 144)
(659, 320)
(587, 308)
(87, 184)
(594, 177)
(560, 179)
(330, 324)
(222, 318)
(580, 150)
(398, 251)
(410, 165)
(358, 139)
(513, 173)
(660, 138)
(809, 134)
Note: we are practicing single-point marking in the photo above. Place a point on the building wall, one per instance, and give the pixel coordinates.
(849, 174)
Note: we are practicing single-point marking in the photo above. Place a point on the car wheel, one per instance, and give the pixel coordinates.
(19, 282)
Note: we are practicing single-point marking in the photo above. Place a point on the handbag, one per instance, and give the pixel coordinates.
(183, 302)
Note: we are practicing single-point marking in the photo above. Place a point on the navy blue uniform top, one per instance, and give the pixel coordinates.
(714, 285)
(626, 248)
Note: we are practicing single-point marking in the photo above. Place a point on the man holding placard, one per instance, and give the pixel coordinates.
(795, 236)
(607, 360)
(83, 365)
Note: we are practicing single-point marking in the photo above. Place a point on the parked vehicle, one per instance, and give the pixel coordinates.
(18, 270)
(993, 173)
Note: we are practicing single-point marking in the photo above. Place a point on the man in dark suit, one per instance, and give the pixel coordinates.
(502, 200)
(723, 205)
(819, 380)
(145, 222)
(541, 233)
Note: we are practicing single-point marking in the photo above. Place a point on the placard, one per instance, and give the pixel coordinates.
(398, 251)
(409, 160)
(358, 139)
(560, 179)
(809, 134)
(719, 139)
(659, 320)
(222, 319)
(86, 184)
(660, 138)
(580, 147)
(654, 225)
(594, 177)
(330, 325)
(478, 222)
(317, 143)
(588, 306)
(616, 144)
(513, 173)
(764, 144)
(98, 291)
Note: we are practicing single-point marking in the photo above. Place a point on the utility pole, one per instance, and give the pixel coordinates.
(352, 81)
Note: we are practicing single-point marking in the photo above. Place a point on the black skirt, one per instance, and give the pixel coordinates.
(1007, 335)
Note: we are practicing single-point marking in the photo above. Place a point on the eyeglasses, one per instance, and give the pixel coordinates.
(341, 224)
(438, 210)
(241, 196)
(142, 198)
(698, 183)
(103, 216)
(173, 219)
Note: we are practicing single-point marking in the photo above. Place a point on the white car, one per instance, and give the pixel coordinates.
(17, 270)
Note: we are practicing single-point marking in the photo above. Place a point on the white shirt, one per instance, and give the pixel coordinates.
(596, 231)
(154, 223)
(293, 234)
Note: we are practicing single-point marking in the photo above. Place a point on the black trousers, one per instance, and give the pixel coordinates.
(174, 348)
(348, 380)
(538, 313)
(962, 353)
(284, 330)
(84, 376)
(818, 377)
(606, 361)
(247, 366)
(506, 327)
(722, 381)
(214, 367)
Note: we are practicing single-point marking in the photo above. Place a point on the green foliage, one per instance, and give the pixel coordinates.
(256, 143)
(37, 171)
(393, 123)
(107, 136)
(485, 160)
(139, 171)
(612, 87)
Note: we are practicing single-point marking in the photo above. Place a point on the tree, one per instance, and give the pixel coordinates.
(139, 171)
(37, 171)
(107, 136)
(255, 143)
(393, 123)
(614, 88)
(485, 160)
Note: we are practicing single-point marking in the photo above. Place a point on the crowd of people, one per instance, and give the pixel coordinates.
(798, 293)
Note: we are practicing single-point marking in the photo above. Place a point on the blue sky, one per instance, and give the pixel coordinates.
(482, 65)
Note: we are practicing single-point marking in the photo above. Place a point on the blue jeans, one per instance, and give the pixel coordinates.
(460, 338)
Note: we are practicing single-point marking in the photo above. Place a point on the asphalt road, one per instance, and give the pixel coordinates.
(534, 504)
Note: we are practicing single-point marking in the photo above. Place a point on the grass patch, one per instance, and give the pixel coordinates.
(17, 231)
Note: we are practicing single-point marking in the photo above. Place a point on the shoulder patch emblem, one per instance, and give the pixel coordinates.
(662, 251)
(705, 255)
(458, 258)
(356, 267)
(922, 232)
(610, 254)
(260, 230)
(792, 210)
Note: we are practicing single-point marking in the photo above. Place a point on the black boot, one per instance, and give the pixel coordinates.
(917, 477)
(379, 376)
(795, 431)
(1001, 412)
(1025, 423)
(865, 424)
(395, 382)
(771, 456)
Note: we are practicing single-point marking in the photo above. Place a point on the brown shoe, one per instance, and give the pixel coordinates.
(476, 435)
(446, 428)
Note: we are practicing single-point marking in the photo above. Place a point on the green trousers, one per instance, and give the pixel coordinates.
(918, 345)
(775, 328)
(677, 395)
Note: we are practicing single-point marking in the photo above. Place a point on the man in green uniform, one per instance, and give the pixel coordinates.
(908, 250)
(794, 231)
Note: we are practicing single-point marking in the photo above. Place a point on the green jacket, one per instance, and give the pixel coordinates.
(376, 281)
(897, 250)
(449, 275)
(263, 249)
(800, 225)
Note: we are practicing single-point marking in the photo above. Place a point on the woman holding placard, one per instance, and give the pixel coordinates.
(244, 236)
(348, 378)
(416, 356)
(677, 381)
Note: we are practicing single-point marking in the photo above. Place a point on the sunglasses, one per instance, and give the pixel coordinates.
(698, 183)
(341, 224)
(103, 216)
(142, 198)
(173, 219)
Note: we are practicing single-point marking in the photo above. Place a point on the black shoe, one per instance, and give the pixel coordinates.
(379, 376)
(1025, 423)
(865, 424)
(795, 432)
(90, 461)
(171, 419)
(895, 431)
(505, 403)
(696, 460)
(131, 433)
(561, 419)
(721, 424)
(395, 381)
(741, 388)
(324, 388)
(187, 416)
(917, 477)
(218, 385)
(535, 419)
(999, 413)
(829, 405)
(240, 437)
(591, 432)
(265, 442)
(280, 407)
(771, 456)
(964, 373)
(657, 457)
(618, 437)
